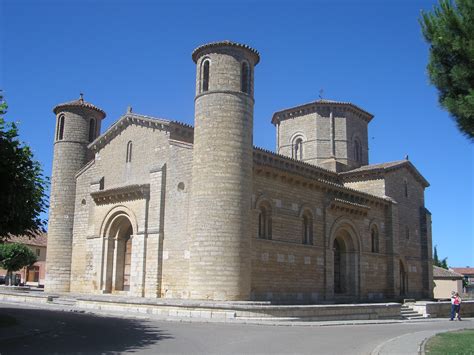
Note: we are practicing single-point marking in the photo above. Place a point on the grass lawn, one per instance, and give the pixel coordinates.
(459, 342)
(6, 321)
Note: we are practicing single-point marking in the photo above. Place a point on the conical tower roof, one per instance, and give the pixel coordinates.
(78, 103)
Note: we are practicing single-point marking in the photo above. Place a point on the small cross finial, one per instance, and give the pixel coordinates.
(406, 157)
(81, 96)
(129, 109)
(321, 91)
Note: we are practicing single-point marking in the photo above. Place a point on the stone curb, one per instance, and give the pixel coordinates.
(422, 347)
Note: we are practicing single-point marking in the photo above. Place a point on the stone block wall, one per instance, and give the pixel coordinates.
(84, 276)
(410, 244)
(149, 149)
(176, 250)
(328, 133)
(283, 269)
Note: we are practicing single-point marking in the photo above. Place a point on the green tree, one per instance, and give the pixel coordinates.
(22, 184)
(449, 29)
(14, 256)
(441, 263)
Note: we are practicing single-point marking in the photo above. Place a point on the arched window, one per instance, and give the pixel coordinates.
(375, 239)
(91, 130)
(307, 228)
(60, 131)
(265, 222)
(129, 152)
(205, 76)
(357, 150)
(245, 78)
(298, 149)
(405, 187)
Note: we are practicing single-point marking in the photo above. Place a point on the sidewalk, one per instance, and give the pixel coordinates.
(414, 343)
(404, 344)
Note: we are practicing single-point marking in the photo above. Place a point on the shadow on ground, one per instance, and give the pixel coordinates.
(44, 331)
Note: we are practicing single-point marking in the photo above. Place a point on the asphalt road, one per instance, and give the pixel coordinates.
(41, 331)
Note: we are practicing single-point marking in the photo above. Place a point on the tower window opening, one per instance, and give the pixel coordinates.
(245, 79)
(307, 229)
(298, 149)
(60, 134)
(205, 76)
(91, 130)
(129, 152)
(375, 240)
(357, 151)
(264, 223)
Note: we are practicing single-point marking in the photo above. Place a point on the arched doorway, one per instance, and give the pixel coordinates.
(118, 254)
(403, 280)
(345, 266)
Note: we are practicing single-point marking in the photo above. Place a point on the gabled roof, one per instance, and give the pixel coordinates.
(78, 103)
(182, 130)
(310, 107)
(39, 239)
(440, 273)
(381, 169)
(463, 270)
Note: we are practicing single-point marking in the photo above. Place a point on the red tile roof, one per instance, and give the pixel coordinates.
(440, 273)
(463, 270)
(40, 239)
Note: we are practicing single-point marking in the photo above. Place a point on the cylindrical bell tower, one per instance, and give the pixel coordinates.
(222, 172)
(77, 124)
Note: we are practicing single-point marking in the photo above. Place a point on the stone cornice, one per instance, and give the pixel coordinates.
(78, 104)
(84, 168)
(349, 207)
(310, 176)
(378, 171)
(312, 107)
(209, 47)
(122, 193)
(266, 157)
(175, 128)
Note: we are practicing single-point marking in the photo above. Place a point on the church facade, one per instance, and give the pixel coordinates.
(158, 208)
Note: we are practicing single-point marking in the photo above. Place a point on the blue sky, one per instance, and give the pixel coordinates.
(138, 53)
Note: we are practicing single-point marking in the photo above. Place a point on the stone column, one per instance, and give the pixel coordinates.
(393, 263)
(154, 251)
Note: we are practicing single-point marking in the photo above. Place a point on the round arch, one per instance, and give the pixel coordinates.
(263, 200)
(112, 215)
(345, 224)
(304, 209)
(374, 225)
(116, 231)
(344, 243)
(403, 277)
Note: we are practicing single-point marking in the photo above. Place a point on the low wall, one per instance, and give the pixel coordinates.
(6, 296)
(442, 309)
(236, 311)
(223, 311)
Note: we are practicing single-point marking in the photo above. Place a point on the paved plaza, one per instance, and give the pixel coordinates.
(40, 330)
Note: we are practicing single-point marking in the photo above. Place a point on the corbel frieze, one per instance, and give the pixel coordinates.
(120, 194)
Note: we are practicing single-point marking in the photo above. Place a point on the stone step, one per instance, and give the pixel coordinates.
(409, 313)
(64, 301)
(271, 319)
(415, 317)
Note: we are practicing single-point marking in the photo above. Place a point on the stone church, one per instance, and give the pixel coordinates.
(158, 208)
